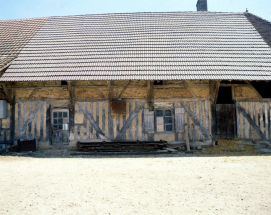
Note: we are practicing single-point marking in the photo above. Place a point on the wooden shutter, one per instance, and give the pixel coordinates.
(149, 121)
(179, 120)
(160, 124)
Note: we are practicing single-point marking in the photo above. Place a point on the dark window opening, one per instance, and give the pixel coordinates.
(224, 96)
(263, 88)
(164, 120)
(64, 83)
(158, 82)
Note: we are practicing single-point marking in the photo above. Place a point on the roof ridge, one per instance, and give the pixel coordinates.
(153, 12)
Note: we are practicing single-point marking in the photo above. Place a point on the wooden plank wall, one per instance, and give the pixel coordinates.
(30, 120)
(5, 133)
(253, 119)
(101, 114)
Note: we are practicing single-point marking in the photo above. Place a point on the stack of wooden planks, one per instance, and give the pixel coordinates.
(127, 146)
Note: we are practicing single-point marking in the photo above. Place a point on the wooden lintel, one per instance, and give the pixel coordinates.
(253, 88)
(150, 95)
(109, 90)
(119, 96)
(71, 93)
(9, 97)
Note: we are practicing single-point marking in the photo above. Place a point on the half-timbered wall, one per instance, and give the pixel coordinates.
(253, 119)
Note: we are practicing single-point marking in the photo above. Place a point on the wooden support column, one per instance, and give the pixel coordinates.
(150, 95)
(8, 95)
(71, 93)
(214, 89)
(109, 90)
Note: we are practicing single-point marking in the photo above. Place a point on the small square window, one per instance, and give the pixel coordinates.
(59, 127)
(55, 127)
(55, 115)
(60, 121)
(65, 114)
(159, 113)
(168, 120)
(168, 127)
(59, 114)
(55, 121)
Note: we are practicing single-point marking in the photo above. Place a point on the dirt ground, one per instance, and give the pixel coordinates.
(219, 180)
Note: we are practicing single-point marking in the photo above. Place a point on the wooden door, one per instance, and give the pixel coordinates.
(225, 121)
(60, 126)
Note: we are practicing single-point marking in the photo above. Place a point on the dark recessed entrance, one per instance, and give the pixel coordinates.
(225, 114)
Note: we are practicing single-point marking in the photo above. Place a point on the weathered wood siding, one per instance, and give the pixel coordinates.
(32, 120)
(197, 118)
(5, 133)
(253, 119)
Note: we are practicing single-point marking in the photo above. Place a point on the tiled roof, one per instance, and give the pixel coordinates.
(149, 46)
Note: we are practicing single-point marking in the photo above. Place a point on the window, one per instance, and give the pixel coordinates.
(158, 82)
(60, 120)
(164, 120)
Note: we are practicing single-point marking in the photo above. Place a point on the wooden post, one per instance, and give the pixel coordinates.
(71, 93)
(187, 139)
(9, 97)
(109, 90)
(150, 95)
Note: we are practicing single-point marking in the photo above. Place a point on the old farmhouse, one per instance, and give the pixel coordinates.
(135, 76)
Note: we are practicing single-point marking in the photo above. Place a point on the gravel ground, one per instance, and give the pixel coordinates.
(55, 183)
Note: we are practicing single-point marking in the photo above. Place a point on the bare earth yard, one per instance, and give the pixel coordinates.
(136, 185)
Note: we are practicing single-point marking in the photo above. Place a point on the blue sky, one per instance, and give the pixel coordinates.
(17, 9)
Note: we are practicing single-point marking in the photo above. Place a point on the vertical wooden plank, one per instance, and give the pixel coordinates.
(19, 120)
(118, 125)
(90, 126)
(85, 123)
(110, 123)
(130, 127)
(143, 125)
(29, 124)
(48, 107)
(133, 122)
(251, 115)
(33, 121)
(189, 122)
(103, 117)
(238, 120)
(41, 123)
(263, 118)
(244, 121)
(24, 136)
(16, 122)
(36, 124)
(88, 123)
(266, 119)
(75, 133)
(136, 125)
(140, 125)
(106, 120)
(95, 118)
(210, 109)
(259, 115)
(71, 124)
(200, 113)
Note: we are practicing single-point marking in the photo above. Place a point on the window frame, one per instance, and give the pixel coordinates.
(164, 123)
